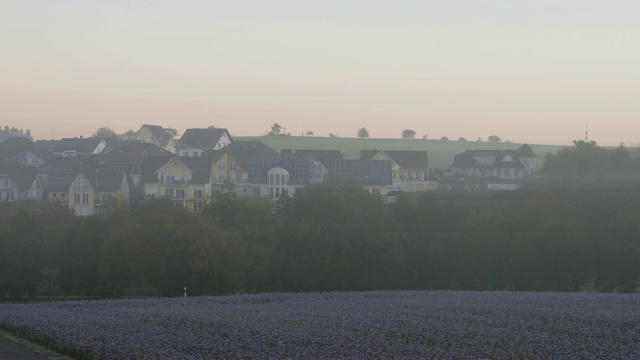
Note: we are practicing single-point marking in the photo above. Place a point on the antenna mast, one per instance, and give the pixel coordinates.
(586, 134)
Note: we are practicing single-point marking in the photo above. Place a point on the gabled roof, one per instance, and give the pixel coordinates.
(46, 144)
(324, 156)
(22, 176)
(132, 153)
(60, 172)
(158, 132)
(367, 172)
(79, 145)
(406, 159)
(468, 159)
(242, 151)
(205, 139)
(44, 155)
(101, 177)
(199, 166)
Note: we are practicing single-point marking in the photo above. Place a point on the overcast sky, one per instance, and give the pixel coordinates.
(527, 71)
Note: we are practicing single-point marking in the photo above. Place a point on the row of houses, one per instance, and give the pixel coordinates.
(91, 173)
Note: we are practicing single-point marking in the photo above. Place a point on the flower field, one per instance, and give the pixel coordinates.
(353, 325)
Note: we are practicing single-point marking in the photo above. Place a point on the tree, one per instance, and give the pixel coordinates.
(444, 138)
(171, 132)
(309, 133)
(462, 139)
(363, 133)
(276, 129)
(104, 132)
(408, 134)
(425, 136)
(128, 135)
(494, 139)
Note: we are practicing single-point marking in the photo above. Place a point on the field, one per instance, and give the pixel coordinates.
(440, 152)
(340, 325)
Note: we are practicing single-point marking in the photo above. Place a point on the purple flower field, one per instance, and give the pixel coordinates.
(353, 325)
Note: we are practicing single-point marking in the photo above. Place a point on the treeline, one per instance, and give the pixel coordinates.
(567, 233)
(333, 236)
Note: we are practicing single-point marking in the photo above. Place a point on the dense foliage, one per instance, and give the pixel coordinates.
(337, 236)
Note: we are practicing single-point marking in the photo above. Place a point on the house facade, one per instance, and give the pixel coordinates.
(21, 183)
(410, 171)
(500, 169)
(95, 187)
(186, 181)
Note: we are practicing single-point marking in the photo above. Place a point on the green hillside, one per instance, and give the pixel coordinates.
(441, 152)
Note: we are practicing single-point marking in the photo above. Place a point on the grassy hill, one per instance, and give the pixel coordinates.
(441, 152)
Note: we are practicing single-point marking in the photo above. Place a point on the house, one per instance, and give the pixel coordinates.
(154, 134)
(96, 186)
(34, 157)
(59, 172)
(71, 147)
(185, 180)
(21, 183)
(274, 176)
(230, 165)
(502, 169)
(195, 142)
(374, 175)
(410, 170)
(130, 158)
(317, 162)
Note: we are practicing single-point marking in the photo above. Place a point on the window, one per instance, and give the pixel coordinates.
(221, 166)
(76, 198)
(232, 165)
(168, 192)
(106, 198)
(6, 182)
(180, 193)
(197, 194)
(10, 195)
(197, 206)
(161, 179)
(85, 198)
(375, 191)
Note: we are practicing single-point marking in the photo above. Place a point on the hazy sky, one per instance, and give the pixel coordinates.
(529, 71)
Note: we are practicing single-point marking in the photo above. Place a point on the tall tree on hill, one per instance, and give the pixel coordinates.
(276, 129)
(363, 133)
(408, 134)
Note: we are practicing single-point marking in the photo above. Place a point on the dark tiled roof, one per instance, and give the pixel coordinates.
(60, 172)
(324, 156)
(47, 144)
(44, 155)
(467, 159)
(367, 172)
(22, 176)
(205, 139)
(79, 145)
(242, 151)
(101, 177)
(132, 153)
(200, 166)
(406, 159)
